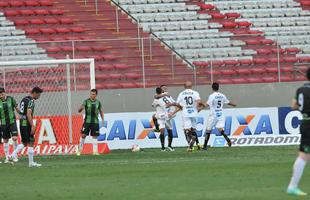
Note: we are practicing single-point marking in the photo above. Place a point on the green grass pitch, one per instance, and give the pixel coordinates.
(247, 173)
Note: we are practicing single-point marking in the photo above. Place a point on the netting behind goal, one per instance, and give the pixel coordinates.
(62, 81)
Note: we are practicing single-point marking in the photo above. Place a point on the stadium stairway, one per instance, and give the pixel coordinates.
(240, 50)
(118, 61)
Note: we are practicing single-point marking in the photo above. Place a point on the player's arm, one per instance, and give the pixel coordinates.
(16, 106)
(81, 108)
(232, 104)
(158, 96)
(226, 101)
(30, 120)
(101, 112)
(295, 105)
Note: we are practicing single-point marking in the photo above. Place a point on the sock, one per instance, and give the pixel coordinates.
(298, 169)
(6, 150)
(15, 143)
(17, 150)
(82, 140)
(162, 140)
(95, 147)
(207, 137)
(170, 137)
(186, 133)
(225, 136)
(192, 139)
(156, 123)
(196, 136)
(30, 155)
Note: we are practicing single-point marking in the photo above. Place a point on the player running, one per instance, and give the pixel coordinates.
(216, 118)
(162, 106)
(93, 108)
(8, 122)
(301, 102)
(27, 126)
(189, 100)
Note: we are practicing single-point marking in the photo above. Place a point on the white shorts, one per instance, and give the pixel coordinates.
(164, 121)
(215, 122)
(189, 122)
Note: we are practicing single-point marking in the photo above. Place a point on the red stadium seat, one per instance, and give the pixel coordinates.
(105, 67)
(230, 62)
(11, 13)
(264, 51)
(78, 29)
(224, 81)
(53, 49)
(115, 76)
(132, 76)
(217, 16)
(244, 24)
(254, 80)
(286, 78)
(4, 4)
(111, 85)
(305, 3)
(72, 37)
(287, 69)
(16, 3)
(57, 12)
(258, 70)
(228, 72)
(239, 80)
(260, 61)
(21, 22)
(27, 12)
(99, 48)
(121, 66)
(217, 63)
(292, 50)
(102, 76)
(31, 3)
(36, 21)
(83, 48)
(245, 61)
(304, 59)
(275, 50)
(229, 24)
(232, 15)
(206, 6)
(272, 69)
(266, 41)
(63, 30)
(67, 48)
(275, 60)
(269, 79)
(109, 57)
(200, 63)
(47, 31)
(41, 12)
(290, 59)
(46, 3)
(128, 85)
(66, 21)
(243, 71)
(252, 42)
(32, 31)
(51, 21)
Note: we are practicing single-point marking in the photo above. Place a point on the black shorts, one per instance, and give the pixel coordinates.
(9, 131)
(90, 128)
(25, 133)
(305, 136)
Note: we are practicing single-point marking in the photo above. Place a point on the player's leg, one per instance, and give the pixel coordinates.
(194, 132)
(84, 132)
(6, 135)
(31, 161)
(301, 161)
(24, 143)
(14, 134)
(155, 123)
(220, 126)
(298, 170)
(161, 124)
(94, 132)
(210, 124)
(170, 135)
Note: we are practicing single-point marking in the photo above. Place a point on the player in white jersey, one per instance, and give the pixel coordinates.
(162, 106)
(216, 117)
(189, 100)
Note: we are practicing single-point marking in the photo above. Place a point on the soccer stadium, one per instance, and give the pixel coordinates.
(154, 99)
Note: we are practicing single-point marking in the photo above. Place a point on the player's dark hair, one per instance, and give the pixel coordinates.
(215, 86)
(36, 90)
(158, 90)
(2, 90)
(94, 90)
(162, 85)
(308, 74)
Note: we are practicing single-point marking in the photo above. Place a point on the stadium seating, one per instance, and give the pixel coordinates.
(239, 39)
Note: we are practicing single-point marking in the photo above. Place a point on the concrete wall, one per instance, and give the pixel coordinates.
(140, 100)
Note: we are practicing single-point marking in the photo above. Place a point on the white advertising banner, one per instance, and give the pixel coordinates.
(245, 127)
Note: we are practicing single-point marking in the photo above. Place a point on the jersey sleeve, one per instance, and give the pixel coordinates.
(30, 105)
(14, 102)
(100, 106)
(179, 99)
(226, 101)
(209, 101)
(197, 96)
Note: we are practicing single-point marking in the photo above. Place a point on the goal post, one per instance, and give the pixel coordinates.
(65, 83)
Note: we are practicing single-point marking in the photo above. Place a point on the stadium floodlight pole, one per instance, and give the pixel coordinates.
(143, 67)
(116, 18)
(96, 4)
(69, 102)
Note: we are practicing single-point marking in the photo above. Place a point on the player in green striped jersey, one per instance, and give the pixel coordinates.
(93, 109)
(8, 106)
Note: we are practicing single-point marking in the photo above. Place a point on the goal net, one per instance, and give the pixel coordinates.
(65, 84)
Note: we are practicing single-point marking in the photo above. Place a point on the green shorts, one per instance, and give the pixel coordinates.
(25, 133)
(9, 131)
(91, 129)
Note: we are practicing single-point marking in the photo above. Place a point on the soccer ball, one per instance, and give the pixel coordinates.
(135, 148)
